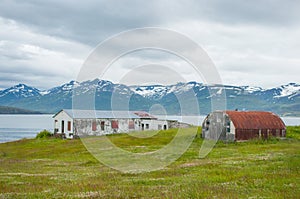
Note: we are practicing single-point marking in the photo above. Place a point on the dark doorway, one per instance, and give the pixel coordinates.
(62, 126)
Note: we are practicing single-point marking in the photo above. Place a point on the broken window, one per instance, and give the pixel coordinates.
(94, 126)
(114, 124)
(69, 126)
(131, 125)
(102, 124)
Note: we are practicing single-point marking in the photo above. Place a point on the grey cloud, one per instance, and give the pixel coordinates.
(85, 21)
(264, 12)
(92, 21)
(66, 31)
(151, 74)
(38, 81)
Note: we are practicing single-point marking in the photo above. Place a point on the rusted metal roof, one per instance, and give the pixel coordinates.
(144, 115)
(255, 120)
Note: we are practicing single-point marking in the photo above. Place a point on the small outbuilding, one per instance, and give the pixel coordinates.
(242, 125)
(73, 123)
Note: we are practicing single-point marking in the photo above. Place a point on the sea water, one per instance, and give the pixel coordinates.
(15, 127)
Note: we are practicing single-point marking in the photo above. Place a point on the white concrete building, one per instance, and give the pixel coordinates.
(71, 123)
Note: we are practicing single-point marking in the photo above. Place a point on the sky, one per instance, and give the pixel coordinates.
(45, 43)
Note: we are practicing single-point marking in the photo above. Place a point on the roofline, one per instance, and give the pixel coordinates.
(57, 113)
(134, 112)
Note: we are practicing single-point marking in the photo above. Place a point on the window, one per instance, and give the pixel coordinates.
(69, 126)
(102, 125)
(94, 126)
(228, 130)
(277, 132)
(114, 124)
(131, 125)
(159, 127)
(147, 126)
(283, 133)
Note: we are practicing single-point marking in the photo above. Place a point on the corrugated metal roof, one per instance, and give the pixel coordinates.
(87, 114)
(143, 114)
(255, 120)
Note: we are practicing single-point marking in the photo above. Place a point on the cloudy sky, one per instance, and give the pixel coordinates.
(45, 43)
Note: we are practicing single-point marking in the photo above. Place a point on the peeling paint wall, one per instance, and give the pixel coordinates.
(148, 124)
(84, 127)
(69, 127)
(217, 125)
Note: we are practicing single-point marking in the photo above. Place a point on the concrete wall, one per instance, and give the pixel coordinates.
(217, 126)
(147, 124)
(84, 127)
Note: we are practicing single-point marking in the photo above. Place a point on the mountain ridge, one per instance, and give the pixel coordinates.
(283, 100)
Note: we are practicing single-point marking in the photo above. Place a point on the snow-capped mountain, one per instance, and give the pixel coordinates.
(158, 91)
(18, 92)
(284, 100)
(290, 91)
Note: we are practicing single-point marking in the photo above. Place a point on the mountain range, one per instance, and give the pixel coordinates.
(176, 99)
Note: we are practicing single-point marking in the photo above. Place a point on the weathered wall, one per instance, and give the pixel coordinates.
(217, 126)
(147, 124)
(246, 134)
(84, 127)
(233, 126)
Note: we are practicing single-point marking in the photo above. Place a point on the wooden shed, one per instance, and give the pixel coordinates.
(242, 125)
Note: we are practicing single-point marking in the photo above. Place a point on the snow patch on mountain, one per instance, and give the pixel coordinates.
(252, 89)
(289, 90)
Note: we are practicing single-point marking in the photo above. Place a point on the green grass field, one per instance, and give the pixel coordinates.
(55, 168)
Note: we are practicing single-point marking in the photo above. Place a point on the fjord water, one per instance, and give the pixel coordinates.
(15, 127)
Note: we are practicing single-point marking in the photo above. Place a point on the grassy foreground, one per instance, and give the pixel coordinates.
(55, 168)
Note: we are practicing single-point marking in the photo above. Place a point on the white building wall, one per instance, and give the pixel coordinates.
(61, 123)
(154, 124)
(95, 126)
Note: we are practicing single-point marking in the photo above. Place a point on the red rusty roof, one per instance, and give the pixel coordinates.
(144, 115)
(255, 120)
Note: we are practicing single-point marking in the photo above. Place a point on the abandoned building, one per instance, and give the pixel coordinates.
(242, 125)
(71, 123)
